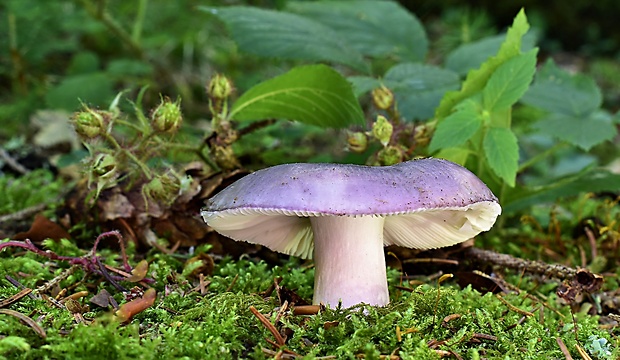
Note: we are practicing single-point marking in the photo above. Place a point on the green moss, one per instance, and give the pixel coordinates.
(219, 325)
(36, 187)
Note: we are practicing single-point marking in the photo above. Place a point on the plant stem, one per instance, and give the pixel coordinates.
(541, 156)
(139, 22)
(129, 154)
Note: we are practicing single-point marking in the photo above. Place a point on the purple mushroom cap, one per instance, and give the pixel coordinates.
(426, 203)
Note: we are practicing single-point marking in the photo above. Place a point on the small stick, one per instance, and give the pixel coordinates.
(23, 214)
(283, 309)
(272, 329)
(232, 283)
(563, 348)
(12, 163)
(536, 267)
(512, 307)
(8, 301)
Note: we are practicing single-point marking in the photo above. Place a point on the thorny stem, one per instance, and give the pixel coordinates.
(89, 262)
(540, 156)
(129, 154)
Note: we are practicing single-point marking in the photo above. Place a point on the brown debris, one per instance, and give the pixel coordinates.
(128, 310)
(41, 229)
(583, 281)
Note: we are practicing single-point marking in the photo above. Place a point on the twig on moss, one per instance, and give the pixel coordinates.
(512, 307)
(557, 271)
(13, 163)
(8, 301)
(272, 329)
(23, 214)
(563, 348)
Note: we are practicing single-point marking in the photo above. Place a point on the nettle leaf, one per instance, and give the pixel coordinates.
(477, 79)
(472, 55)
(584, 132)
(502, 153)
(288, 36)
(556, 90)
(314, 94)
(418, 88)
(510, 81)
(457, 128)
(374, 28)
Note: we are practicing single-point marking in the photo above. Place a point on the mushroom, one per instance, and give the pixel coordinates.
(342, 215)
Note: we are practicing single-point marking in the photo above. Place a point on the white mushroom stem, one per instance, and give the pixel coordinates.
(349, 261)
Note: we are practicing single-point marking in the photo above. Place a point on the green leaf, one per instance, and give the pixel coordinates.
(314, 94)
(418, 88)
(472, 55)
(557, 91)
(477, 79)
(288, 36)
(583, 132)
(374, 28)
(363, 84)
(457, 128)
(93, 89)
(502, 153)
(455, 154)
(588, 180)
(509, 82)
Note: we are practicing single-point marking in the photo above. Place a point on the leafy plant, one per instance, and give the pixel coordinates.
(473, 125)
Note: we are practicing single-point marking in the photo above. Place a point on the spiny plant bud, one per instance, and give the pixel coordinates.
(164, 188)
(225, 157)
(357, 142)
(390, 155)
(220, 87)
(104, 166)
(167, 117)
(383, 98)
(89, 123)
(382, 130)
(103, 172)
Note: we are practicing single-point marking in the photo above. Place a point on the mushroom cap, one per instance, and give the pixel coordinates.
(428, 203)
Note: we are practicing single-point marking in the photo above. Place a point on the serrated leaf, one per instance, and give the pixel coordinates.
(556, 90)
(472, 55)
(502, 153)
(583, 132)
(374, 28)
(288, 36)
(509, 81)
(314, 94)
(588, 180)
(418, 88)
(477, 79)
(457, 128)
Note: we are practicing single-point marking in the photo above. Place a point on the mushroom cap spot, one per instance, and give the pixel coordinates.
(427, 203)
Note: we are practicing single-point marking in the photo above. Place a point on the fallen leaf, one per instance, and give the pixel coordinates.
(139, 272)
(41, 229)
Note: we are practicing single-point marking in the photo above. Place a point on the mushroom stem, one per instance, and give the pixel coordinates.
(349, 261)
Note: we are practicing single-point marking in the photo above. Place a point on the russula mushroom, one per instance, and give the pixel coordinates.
(343, 215)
